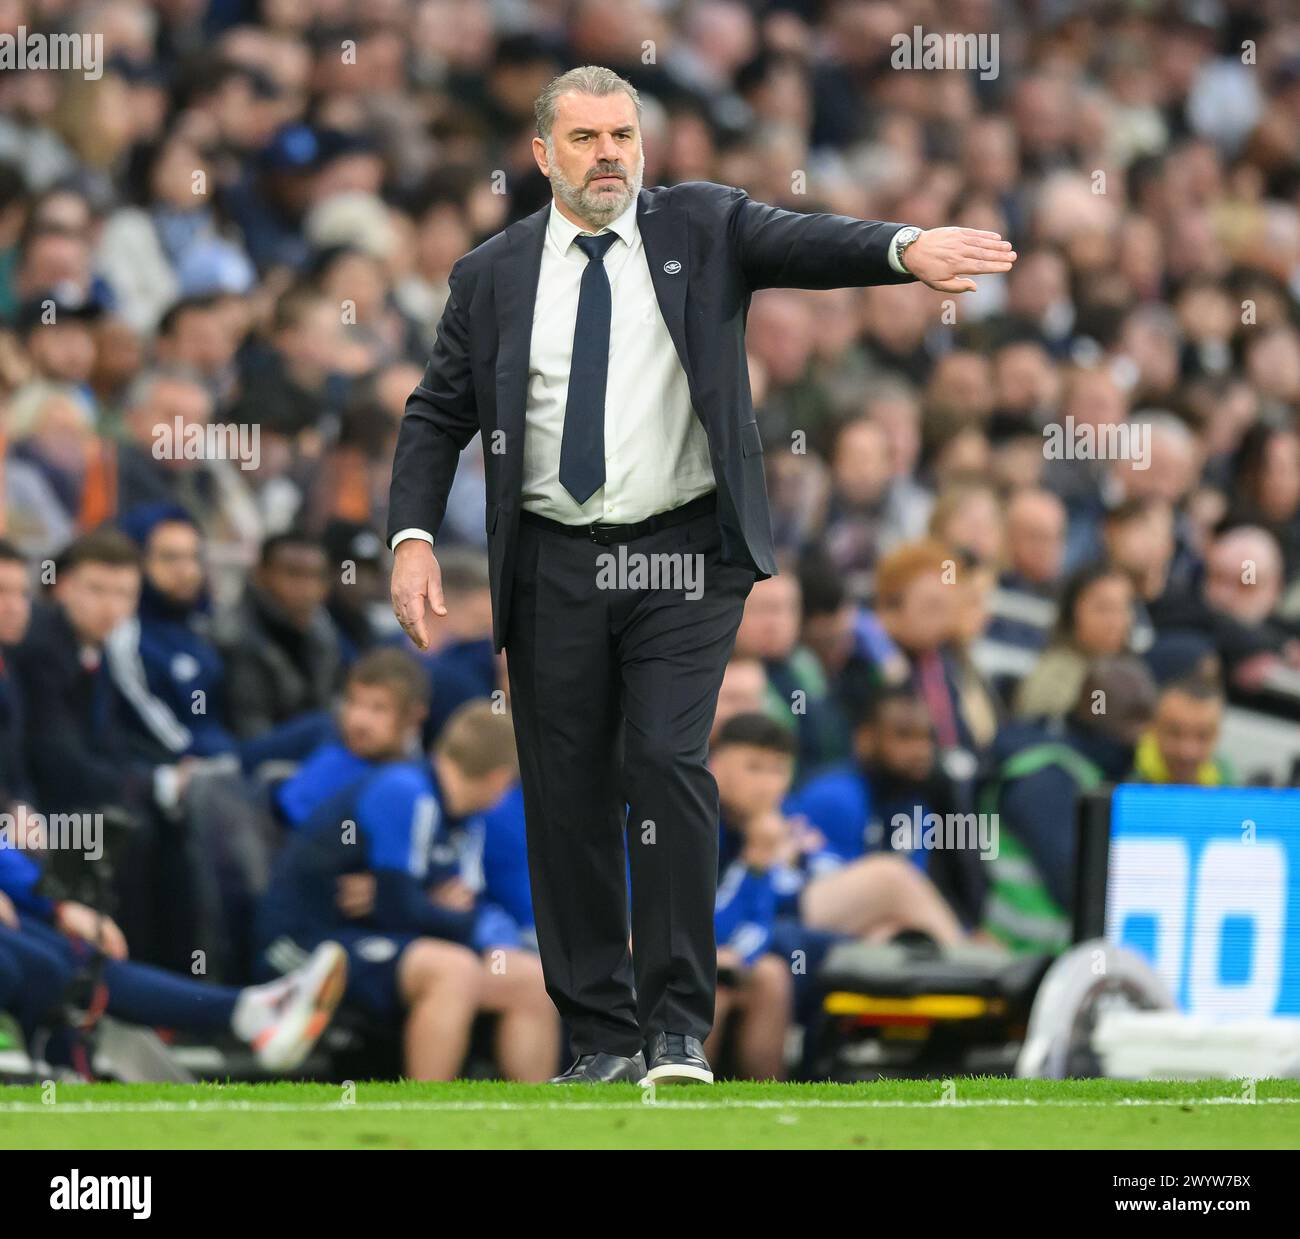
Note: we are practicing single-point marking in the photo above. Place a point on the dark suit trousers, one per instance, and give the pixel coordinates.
(613, 692)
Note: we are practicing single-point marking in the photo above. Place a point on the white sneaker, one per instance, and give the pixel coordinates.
(284, 1019)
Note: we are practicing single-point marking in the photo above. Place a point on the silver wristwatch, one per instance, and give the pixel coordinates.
(898, 247)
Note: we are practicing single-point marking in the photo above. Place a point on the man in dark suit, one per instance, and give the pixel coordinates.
(599, 348)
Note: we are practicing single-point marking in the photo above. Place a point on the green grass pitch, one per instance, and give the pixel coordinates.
(965, 1113)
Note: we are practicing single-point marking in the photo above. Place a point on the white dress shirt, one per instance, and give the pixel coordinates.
(656, 450)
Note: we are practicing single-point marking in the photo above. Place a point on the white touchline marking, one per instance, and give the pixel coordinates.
(451, 1107)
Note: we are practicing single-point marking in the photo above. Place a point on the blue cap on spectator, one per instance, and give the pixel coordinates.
(295, 148)
(1176, 654)
(215, 266)
(139, 522)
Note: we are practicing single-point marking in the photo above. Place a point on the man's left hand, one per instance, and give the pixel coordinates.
(944, 258)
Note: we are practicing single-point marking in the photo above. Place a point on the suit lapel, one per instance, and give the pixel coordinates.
(514, 291)
(666, 240)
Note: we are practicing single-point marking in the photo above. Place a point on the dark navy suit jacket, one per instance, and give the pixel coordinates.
(709, 247)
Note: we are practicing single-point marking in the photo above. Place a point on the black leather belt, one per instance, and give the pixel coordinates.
(604, 535)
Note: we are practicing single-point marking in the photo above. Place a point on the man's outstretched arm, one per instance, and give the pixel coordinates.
(788, 249)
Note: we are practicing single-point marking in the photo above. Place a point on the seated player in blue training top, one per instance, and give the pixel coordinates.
(852, 885)
(755, 986)
(382, 861)
(505, 863)
(895, 776)
(821, 896)
(44, 944)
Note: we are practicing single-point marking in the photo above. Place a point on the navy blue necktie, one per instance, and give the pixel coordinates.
(582, 448)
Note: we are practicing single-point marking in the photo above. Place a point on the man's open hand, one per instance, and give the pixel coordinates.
(417, 585)
(943, 258)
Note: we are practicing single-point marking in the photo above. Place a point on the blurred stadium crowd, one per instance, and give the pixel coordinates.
(247, 222)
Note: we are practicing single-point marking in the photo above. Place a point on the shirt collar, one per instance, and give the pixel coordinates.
(563, 230)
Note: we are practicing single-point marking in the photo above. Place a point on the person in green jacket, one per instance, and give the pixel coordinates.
(1039, 774)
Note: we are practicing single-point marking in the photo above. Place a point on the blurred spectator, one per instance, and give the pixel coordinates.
(967, 515)
(1035, 543)
(872, 508)
(743, 691)
(299, 371)
(463, 666)
(173, 673)
(358, 593)
(84, 757)
(1022, 603)
(80, 750)
(196, 336)
(896, 771)
(1181, 746)
(283, 656)
(1038, 773)
(981, 709)
(1265, 488)
(58, 338)
(15, 612)
(916, 601)
(753, 761)
(1095, 621)
(56, 479)
(855, 653)
(798, 695)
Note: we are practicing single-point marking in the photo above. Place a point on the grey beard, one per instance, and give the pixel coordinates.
(583, 203)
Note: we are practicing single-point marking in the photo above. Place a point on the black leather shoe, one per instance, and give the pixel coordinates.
(604, 1069)
(674, 1058)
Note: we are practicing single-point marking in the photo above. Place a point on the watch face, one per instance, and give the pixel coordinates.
(902, 239)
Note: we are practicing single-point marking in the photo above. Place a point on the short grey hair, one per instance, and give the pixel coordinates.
(141, 389)
(1170, 424)
(586, 80)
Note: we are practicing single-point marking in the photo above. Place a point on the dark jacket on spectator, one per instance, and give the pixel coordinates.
(459, 672)
(275, 671)
(15, 779)
(81, 753)
(173, 677)
(1039, 809)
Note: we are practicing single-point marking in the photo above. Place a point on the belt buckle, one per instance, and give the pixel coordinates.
(602, 534)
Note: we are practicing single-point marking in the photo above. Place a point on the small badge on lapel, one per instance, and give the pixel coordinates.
(672, 267)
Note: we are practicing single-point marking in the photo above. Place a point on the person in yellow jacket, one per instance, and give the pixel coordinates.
(1180, 744)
